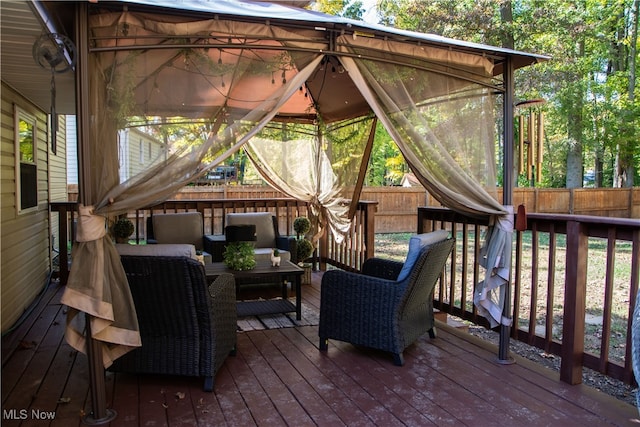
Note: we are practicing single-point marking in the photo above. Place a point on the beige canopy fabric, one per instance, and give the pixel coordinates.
(320, 168)
(97, 284)
(207, 78)
(444, 125)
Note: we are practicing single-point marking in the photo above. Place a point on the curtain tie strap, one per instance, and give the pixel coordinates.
(90, 226)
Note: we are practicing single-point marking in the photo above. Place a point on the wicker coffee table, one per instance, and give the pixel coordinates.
(262, 273)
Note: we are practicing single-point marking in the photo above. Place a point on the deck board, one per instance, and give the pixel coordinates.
(338, 400)
(528, 380)
(269, 384)
(342, 380)
(125, 398)
(279, 377)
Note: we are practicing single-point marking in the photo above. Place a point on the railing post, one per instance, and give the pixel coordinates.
(370, 230)
(63, 231)
(573, 327)
(507, 200)
(421, 215)
(323, 253)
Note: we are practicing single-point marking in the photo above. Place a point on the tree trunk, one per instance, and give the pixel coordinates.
(598, 171)
(506, 15)
(633, 134)
(574, 164)
(625, 169)
(598, 146)
(574, 131)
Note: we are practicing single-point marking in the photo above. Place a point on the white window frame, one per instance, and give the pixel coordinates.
(22, 115)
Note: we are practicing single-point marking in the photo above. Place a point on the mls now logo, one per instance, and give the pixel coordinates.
(23, 414)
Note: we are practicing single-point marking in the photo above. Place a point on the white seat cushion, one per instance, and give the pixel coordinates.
(157, 250)
(264, 254)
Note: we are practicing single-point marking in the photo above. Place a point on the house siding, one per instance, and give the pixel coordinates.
(58, 166)
(138, 152)
(72, 150)
(57, 181)
(24, 238)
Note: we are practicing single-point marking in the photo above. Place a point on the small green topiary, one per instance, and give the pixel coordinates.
(239, 256)
(122, 229)
(302, 226)
(304, 249)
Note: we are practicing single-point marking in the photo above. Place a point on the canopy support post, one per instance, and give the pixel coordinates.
(363, 168)
(99, 413)
(507, 199)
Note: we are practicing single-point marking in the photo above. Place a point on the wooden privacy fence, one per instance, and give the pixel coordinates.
(397, 206)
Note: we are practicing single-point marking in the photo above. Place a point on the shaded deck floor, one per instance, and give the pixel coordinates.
(279, 377)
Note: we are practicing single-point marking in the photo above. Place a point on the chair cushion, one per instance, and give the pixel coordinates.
(157, 250)
(264, 254)
(416, 244)
(265, 233)
(180, 227)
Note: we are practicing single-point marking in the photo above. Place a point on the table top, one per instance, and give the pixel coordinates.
(262, 268)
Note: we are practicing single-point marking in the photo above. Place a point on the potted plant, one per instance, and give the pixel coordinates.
(239, 256)
(122, 229)
(302, 226)
(275, 257)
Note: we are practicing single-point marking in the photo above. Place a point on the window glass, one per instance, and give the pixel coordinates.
(26, 167)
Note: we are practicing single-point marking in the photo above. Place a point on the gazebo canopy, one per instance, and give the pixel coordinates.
(280, 41)
(233, 67)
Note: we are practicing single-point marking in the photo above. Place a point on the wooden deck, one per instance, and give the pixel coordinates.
(279, 377)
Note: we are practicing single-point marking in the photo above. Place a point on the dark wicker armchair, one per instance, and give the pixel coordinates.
(187, 327)
(374, 309)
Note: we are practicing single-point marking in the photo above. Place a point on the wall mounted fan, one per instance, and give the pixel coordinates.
(55, 52)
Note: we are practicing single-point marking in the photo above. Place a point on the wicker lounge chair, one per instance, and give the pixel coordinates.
(187, 327)
(178, 228)
(384, 307)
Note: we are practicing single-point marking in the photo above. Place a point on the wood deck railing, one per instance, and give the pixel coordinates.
(348, 254)
(552, 287)
(574, 283)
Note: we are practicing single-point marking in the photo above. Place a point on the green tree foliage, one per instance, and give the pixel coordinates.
(592, 114)
(346, 8)
(331, 7)
(26, 141)
(385, 166)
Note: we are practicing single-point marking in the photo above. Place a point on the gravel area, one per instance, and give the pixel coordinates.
(594, 379)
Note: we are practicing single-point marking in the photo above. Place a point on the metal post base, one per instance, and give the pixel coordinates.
(503, 349)
(508, 361)
(91, 421)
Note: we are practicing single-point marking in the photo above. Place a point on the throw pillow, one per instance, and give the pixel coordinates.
(416, 244)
